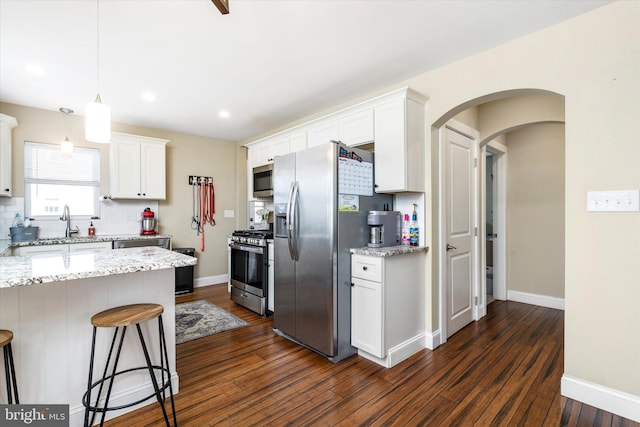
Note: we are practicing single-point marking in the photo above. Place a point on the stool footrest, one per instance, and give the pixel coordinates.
(128, 405)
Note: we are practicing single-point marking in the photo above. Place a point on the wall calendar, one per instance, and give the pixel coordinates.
(355, 177)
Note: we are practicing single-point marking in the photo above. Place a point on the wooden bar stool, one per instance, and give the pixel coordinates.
(120, 318)
(9, 370)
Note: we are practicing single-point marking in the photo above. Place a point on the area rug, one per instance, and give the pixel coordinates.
(197, 319)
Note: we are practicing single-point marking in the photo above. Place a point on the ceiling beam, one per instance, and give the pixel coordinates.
(222, 5)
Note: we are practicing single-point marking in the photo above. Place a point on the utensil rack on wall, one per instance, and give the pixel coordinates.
(197, 180)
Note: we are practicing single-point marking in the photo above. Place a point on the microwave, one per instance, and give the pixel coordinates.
(263, 181)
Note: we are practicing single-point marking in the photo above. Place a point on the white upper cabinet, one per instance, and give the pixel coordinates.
(137, 167)
(298, 141)
(393, 122)
(323, 132)
(7, 123)
(356, 128)
(399, 144)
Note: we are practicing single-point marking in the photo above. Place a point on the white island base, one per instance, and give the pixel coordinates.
(52, 330)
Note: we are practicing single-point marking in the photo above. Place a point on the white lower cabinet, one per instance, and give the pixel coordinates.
(388, 306)
(60, 249)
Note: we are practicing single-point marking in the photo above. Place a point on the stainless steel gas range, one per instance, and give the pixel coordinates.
(249, 269)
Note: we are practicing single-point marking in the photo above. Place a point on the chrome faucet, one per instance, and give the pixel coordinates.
(66, 216)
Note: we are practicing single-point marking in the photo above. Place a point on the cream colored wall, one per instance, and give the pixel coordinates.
(594, 61)
(469, 117)
(186, 155)
(535, 210)
(518, 111)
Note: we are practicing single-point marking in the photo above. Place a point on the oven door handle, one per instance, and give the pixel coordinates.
(245, 248)
(293, 222)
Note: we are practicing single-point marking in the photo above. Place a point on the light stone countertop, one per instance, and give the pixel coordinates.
(387, 251)
(5, 244)
(48, 268)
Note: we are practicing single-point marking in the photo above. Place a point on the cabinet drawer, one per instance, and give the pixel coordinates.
(366, 267)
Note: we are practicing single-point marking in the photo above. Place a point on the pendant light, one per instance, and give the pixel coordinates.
(97, 114)
(66, 146)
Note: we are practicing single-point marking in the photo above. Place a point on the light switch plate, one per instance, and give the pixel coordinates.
(229, 214)
(613, 201)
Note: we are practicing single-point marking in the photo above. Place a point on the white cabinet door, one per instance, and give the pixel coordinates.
(297, 141)
(390, 152)
(323, 133)
(88, 247)
(40, 250)
(137, 167)
(367, 317)
(125, 169)
(357, 128)
(152, 171)
(7, 123)
(399, 146)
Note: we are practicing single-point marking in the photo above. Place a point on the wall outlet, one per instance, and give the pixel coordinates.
(229, 214)
(613, 201)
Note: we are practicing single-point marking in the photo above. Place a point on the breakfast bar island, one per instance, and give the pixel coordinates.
(48, 300)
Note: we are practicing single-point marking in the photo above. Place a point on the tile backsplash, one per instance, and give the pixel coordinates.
(116, 217)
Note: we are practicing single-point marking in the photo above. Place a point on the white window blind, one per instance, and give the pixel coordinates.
(52, 181)
(44, 162)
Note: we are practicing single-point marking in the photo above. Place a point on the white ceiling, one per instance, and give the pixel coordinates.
(268, 62)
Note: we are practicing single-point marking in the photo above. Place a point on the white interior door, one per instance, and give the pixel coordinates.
(460, 199)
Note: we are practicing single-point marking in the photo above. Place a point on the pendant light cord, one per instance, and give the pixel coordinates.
(98, 49)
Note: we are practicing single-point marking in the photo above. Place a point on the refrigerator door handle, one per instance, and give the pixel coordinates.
(288, 220)
(293, 225)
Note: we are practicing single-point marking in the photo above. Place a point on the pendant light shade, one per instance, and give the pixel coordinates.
(66, 146)
(97, 122)
(97, 116)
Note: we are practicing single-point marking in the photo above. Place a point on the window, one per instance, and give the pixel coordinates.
(52, 181)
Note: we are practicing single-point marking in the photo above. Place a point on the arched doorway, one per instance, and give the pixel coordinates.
(501, 114)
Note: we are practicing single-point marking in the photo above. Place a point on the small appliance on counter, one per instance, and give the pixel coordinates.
(148, 223)
(385, 228)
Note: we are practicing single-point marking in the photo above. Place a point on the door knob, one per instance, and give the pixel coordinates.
(449, 247)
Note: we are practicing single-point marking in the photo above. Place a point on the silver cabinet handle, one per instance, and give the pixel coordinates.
(449, 247)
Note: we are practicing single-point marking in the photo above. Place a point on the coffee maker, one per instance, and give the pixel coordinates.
(385, 228)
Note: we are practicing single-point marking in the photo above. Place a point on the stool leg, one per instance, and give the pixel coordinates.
(87, 404)
(163, 345)
(13, 373)
(113, 371)
(154, 380)
(10, 375)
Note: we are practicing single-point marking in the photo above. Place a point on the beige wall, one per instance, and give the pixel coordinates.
(535, 210)
(593, 61)
(497, 117)
(186, 155)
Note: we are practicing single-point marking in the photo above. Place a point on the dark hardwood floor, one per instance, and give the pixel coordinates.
(502, 370)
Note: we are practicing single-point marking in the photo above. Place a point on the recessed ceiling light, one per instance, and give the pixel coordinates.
(224, 114)
(34, 69)
(149, 97)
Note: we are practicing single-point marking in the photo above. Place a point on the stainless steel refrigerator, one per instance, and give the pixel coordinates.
(321, 199)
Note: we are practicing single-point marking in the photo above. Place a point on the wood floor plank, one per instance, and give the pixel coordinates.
(502, 370)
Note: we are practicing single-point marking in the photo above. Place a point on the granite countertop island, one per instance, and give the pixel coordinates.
(48, 300)
(29, 270)
(387, 251)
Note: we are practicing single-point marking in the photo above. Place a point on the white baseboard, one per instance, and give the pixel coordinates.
(398, 353)
(432, 340)
(76, 413)
(210, 280)
(536, 299)
(608, 399)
